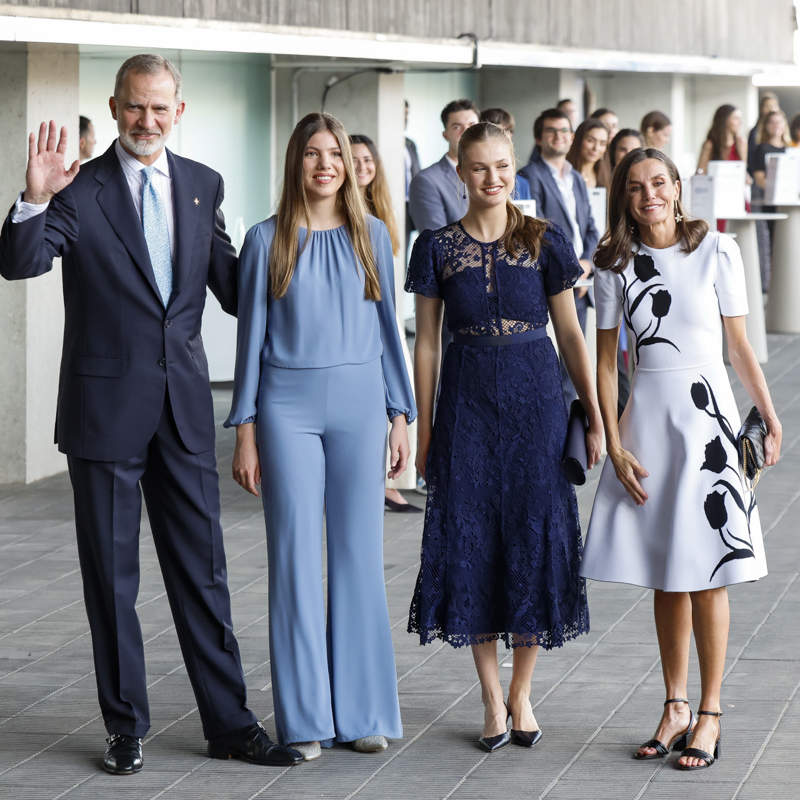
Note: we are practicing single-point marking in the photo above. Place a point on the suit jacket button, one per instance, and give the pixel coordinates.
(167, 323)
(162, 362)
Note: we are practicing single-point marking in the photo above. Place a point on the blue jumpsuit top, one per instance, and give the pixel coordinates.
(323, 320)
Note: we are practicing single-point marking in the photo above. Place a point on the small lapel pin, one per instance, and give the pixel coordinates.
(197, 201)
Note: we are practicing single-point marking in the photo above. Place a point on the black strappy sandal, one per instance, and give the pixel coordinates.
(696, 752)
(678, 742)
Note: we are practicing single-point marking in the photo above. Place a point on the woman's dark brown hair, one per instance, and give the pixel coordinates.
(718, 132)
(521, 233)
(622, 239)
(602, 167)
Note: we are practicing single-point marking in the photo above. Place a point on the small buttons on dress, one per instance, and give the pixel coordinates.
(162, 362)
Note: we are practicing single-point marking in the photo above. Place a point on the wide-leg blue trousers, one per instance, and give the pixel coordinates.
(321, 438)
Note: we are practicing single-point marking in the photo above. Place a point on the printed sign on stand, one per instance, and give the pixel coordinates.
(783, 178)
(597, 202)
(728, 187)
(527, 207)
(700, 198)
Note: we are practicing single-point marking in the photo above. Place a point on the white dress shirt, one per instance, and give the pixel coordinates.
(132, 169)
(565, 180)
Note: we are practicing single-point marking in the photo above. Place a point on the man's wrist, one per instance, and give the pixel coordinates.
(36, 200)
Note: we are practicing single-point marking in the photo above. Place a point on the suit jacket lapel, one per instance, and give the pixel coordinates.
(114, 199)
(188, 204)
(555, 191)
(450, 174)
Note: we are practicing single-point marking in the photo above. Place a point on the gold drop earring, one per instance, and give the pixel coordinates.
(678, 215)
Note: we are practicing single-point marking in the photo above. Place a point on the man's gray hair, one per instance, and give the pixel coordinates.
(149, 64)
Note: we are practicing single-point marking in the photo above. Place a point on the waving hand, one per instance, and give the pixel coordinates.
(46, 175)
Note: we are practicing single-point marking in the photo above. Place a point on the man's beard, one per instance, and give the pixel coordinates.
(142, 148)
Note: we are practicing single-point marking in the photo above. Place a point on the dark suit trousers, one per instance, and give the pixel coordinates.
(182, 496)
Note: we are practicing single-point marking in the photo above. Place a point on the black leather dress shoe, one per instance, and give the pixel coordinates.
(253, 745)
(123, 754)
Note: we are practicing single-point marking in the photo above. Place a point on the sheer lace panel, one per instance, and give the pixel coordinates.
(461, 252)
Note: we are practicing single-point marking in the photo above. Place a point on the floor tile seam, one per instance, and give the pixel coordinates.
(81, 782)
(760, 625)
(638, 600)
(657, 661)
(43, 617)
(268, 785)
(43, 587)
(549, 788)
(38, 558)
(765, 744)
(48, 696)
(139, 606)
(733, 664)
(772, 525)
(466, 775)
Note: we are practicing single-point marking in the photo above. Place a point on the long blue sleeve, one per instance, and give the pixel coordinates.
(397, 386)
(252, 315)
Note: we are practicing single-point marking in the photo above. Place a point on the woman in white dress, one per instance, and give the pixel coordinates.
(672, 510)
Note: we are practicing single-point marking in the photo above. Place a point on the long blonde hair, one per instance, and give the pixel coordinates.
(293, 209)
(376, 194)
(521, 233)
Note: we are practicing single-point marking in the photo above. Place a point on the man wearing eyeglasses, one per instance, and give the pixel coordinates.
(562, 198)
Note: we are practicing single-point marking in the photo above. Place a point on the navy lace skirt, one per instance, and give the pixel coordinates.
(501, 545)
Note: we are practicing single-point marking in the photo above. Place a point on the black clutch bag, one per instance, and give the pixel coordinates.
(575, 458)
(750, 444)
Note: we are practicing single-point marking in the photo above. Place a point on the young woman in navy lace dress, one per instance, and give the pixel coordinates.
(501, 544)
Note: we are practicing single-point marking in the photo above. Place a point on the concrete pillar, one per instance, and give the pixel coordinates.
(37, 82)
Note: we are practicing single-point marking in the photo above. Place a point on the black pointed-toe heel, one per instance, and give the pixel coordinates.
(696, 752)
(492, 743)
(678, 742)
(400, 508)
(523, 738)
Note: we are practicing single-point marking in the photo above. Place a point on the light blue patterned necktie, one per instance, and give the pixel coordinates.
(156, 234)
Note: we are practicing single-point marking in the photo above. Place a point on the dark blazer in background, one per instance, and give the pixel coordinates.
(121, 349)
(436, 197)
(550, 205)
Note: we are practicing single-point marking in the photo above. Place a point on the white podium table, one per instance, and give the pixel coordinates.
(744, 226)
(783, 305)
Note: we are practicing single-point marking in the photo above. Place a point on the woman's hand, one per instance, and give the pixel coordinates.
(246, 466)
(423, 446)
(772, 442)
(629, 470)
(594, 444)
(399, 449)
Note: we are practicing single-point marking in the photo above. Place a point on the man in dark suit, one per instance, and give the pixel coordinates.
(436, 196)
(141, 235)
(561, 197)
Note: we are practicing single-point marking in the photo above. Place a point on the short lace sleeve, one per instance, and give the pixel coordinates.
(607, 298)
(421, 277)
(559, 263)
(729, 282)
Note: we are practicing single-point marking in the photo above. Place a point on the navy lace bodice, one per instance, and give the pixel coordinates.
(486, 290)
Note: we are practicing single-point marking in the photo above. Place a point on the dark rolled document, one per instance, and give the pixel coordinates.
(575, 459)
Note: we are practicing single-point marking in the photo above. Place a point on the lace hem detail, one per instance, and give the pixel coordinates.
(544, 639)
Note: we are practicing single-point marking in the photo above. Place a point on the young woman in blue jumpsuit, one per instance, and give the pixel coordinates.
(319, 365)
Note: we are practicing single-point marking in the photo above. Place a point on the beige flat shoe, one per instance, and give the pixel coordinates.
(370, 744)
(309, 750)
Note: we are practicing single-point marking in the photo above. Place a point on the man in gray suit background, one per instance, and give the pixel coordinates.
(436, 196)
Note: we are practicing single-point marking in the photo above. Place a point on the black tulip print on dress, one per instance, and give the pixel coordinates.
(645, 271)
(716, 461)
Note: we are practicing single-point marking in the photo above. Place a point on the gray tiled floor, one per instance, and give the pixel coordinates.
(595, 698)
